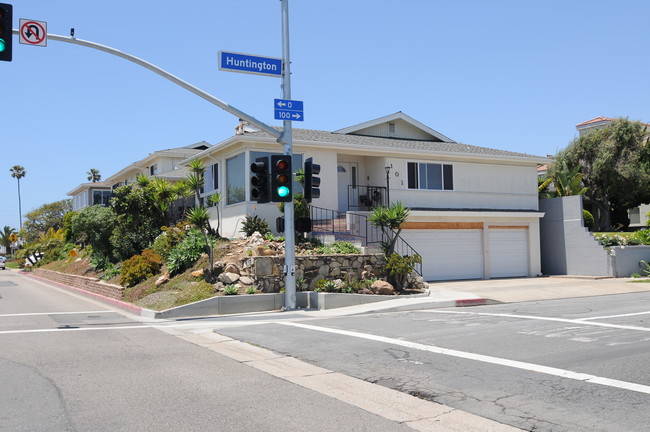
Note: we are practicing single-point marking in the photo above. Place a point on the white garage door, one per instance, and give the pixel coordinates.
(448, 254)
(508, 252)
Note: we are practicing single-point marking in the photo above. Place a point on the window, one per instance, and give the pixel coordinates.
(235, 186)
(430, 176)
(391, 128)
(215, 176)
(153, 169)
(101, 197)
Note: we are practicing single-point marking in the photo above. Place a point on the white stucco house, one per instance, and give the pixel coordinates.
(161, 163)
(474, 210)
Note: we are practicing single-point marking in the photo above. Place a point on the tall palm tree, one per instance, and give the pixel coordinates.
(196, 180)
(94, 175)
(19, 172)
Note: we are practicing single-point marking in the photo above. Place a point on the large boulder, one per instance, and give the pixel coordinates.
(382, 288)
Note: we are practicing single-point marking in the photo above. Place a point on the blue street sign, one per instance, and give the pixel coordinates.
(247, 63)
(286, 109)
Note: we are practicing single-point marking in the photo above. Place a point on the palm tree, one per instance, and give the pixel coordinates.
(94, 175)
(196, 180)
(5, 237)
(19, 172)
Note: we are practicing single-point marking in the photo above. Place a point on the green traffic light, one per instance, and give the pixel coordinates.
(3, 45)
(283, 191)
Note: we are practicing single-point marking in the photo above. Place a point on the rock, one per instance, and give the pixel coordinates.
(336, 271)
(263, 251)
(366, 291)
(246, 280)
(264, 267)
(232, 268)
(197, 273)
(163, 279)
(382, 288)
(228, 278)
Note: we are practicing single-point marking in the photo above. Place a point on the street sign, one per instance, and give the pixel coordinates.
(247, 63)
(33, 32)
(286, 109)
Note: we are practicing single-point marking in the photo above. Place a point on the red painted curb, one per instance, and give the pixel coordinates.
(471, 302)
(137, 310)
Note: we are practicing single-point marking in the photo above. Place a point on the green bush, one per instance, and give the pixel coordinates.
(588, 219)
(643, 236)
(186, 253)
(168, 239)
(325, 285)
(399, 267)
(230, 290)
(254, 223)
(338, 248)
(140, 267)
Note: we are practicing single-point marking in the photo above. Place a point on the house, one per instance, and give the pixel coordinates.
(162, 164)
(474, 210)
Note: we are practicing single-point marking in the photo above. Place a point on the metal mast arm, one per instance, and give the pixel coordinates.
(218, 102)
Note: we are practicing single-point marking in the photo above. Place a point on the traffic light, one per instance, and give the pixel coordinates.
(312, 184)
(260, 180)
(6, 20)
(281, 178)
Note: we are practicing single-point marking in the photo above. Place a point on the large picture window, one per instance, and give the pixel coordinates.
(235, 185)
(430, 176)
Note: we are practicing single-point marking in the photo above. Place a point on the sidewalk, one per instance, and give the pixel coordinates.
(481, 292)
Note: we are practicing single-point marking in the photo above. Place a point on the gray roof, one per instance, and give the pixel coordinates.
(395, 143)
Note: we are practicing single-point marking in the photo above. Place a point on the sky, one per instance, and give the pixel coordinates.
(513, 75)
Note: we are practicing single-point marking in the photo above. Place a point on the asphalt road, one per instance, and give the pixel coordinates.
(560, 365)
(70, 364)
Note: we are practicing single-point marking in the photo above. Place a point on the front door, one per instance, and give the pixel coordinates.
(347, 175)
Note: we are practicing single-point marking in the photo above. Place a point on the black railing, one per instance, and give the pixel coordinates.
(366, 197)
(349, 226)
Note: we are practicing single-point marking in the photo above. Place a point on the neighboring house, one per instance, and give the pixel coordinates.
(474, 210)
(639, 215)
(162, 164)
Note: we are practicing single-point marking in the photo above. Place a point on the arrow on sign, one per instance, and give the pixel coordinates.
(32, 29)
(282, 104)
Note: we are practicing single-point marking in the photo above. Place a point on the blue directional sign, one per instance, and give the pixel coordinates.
(286, 109)
(247, 63)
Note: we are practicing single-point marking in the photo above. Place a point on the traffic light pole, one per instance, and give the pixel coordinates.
(287, 139)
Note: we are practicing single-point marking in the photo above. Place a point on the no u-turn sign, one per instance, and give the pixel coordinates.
(33, 32)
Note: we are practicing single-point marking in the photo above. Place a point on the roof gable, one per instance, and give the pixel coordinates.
(397, 126)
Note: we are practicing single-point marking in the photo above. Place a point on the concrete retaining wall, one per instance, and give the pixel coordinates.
(92, 285)
(626, 259)
(567, 246)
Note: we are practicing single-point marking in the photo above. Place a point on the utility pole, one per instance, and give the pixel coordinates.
(287, 140)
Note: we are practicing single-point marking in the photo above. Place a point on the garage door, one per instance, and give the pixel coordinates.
(508, 252)
(448, 254)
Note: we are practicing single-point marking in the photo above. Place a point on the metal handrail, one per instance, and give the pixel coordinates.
(335, 222)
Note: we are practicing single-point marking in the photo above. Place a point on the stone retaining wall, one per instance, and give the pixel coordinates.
(93, 285)
(267, 270)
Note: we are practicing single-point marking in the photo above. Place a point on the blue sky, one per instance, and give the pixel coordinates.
(513, 75)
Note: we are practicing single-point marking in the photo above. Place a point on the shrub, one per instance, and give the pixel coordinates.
(588, 219)
(254, 223)
(140, 267)
(643, 236)
(168, 239)
(325, 285)
(612, 240)
(338, 248)
(230, 290)
(399, 267)
(251, 290)
(186, 253)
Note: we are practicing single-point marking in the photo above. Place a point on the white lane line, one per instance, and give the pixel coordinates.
(563, 373)
(542, 318)
(55, 313)
(133, 327)
(72, 329)
(613, 316)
